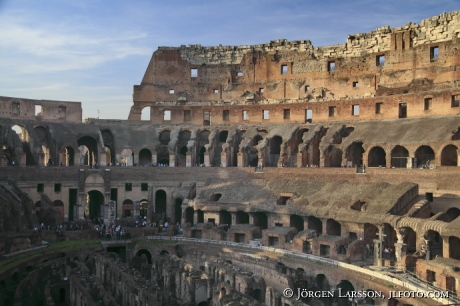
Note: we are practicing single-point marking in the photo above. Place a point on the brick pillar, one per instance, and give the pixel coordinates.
(299, 160)
(223, 160)
(240, 160)
(445, 247)
(172, 160)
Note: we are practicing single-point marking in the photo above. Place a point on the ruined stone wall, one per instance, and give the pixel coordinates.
(50, 111)
(413, 58)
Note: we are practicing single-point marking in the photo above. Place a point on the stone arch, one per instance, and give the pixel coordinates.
(315, 224)
(178, 211)
(399, 156)
(409, 238)
(376, 157)
(449, 155)
(43, 142)
(189, 214)
(235, 148)
(164, 252)
(345, 286)
(23, 135)
(143, 207)
(297, 222)
(146, 253)
(322, 282)
(333, 228)
(145, 157)
(453, 213)
(127, 208)
(95, 199)
(260, 220)
(165, 137)
(221, 140)
(424, 154)
(242, 217)
(355, 153)
(160, 202)
(127, 157)
(253, 156)
(275, 151)
(225, 217)
(436, 244)
(146, 113)
(109, 147)
(370, 233)
(88, 150)
(202, 141)
(333, 158)
(183, 139)
(68, 156)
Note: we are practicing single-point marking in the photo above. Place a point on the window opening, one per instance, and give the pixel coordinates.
(330, 66)
(171, 91)
(216, 91)
(261, 90)
(331, 111)
(378, 107)
(186, 115)
(40, 187)
(144, 186)
(287, 114)
(284, 69)
(38, 110)
(194, 73)
(308, 115)
(434, 53)
(239, 73)
(206, 118)
(307, 88)
(380, 60)
(226, 115)
(167, 115)
(128, 187)
(355, 84)
(265, 114)
(455, 100)
(427, 103)
(355, 110)
(57, 187)
(245, 115)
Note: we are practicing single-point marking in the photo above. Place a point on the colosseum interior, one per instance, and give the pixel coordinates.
(277, 166)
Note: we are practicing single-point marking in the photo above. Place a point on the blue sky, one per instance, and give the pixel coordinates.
(95, 51)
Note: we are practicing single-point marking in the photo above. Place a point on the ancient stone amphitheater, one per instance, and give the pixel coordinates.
(289, 175)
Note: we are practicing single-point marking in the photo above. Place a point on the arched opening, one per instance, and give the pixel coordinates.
(145, 113)
(178, 211)
(355, 153)
(184, 137)
(261, 220)
(200, 216)
(37, 207)
(201, 158)
(23, 135)
(236, 148)
(59, 206)
(143, 207)
(165, 137)
(409, 238)
(62, 295)
(315, 224)
(333, 157)
(69, 156)
(147, 254)
(399, 156)
(94, 203)
(377, 157)
(43, 142)
(393, 302)
(275, 151)
(109, 151)
(297, 222)
(164, 252)
(160, 202)
(449, 156)
(189, 212)
(333, 228)
(88, 150)
(452, 214)
(127, 158)
(223, 135)
(215, 197)
(435, 244)
(145, 157)
(321, 282)
(370, 233)
(163, 156)
(454, 250)
(225, 217)
(424, 155)
(345, 287)
(203, 139)
(127, 208)
(242, 217)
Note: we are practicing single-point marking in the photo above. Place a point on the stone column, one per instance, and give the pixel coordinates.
(299, 160)
(400, 247)
(223, 160)
(172, 160)
(409, 163)
(377, 252)
(207, 161)
(136, 159)
(240, 160)
(445, 247)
